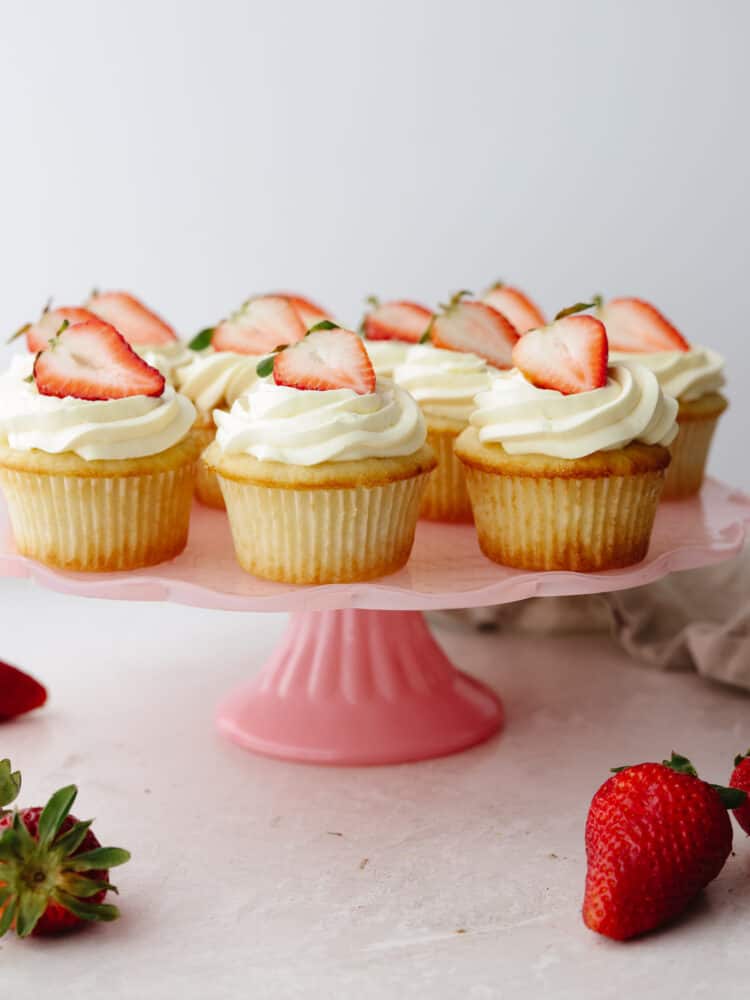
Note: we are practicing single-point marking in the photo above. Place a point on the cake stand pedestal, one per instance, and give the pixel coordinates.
(360, 687)
(359, 679)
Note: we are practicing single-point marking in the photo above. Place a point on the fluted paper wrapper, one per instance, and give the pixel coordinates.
(323, 535)
(580, 524)
(207, 488)
(689, 449)
(99, 523)
(446, 497)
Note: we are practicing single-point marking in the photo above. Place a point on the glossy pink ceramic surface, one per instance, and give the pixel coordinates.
(446, 569)
(360, 687)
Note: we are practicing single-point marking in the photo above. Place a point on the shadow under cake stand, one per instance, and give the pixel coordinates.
(358, 678)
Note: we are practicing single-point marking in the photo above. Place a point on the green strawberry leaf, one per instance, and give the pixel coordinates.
(680, 764)
(69, 842)
(324, 324)
(31, 906)
(19, 333)
(731, 798)
(54, 814)
(86, 911)
(202, 340)
(98, 857)
(84, 888)
(10, 783)
(8, 916)
(575, 308)
(265, 366)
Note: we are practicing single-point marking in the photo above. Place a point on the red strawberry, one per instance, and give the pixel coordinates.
(131, 318)
(655, 836)
(93, 361)
(39, 334)
(741, 779)
(326, 359)
(259, 326)
(475, 328)
(570, 355)
(19, 693)
(54, 873)
(515, 306)
(398, 320)
(635, 325)
(308, 311)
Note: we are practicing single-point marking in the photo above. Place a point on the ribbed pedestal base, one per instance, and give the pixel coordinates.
(360, 687)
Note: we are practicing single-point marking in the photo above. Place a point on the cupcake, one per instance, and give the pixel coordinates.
(565, 457)
(226, 367)
(691, 375)
(466, 343)
(322, 468)
(97, 462)
(390, 329)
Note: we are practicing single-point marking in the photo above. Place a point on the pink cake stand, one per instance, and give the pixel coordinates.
(358, 678)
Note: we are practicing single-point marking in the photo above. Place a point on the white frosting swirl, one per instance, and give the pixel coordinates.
(685, 375)
(104, 429)
(386, 355)
(217, 378)
(529, 420)
(166, 357)
(276, 423)
(444, 383)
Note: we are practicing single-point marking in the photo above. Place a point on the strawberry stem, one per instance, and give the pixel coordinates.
(575, 308)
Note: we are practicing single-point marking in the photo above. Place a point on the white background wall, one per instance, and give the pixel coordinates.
(196, 152)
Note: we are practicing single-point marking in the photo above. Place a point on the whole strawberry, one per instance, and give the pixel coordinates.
(53, 871)
(655, 836)
(741, 779)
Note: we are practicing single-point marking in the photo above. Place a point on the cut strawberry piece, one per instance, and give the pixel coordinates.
(93, 361)
(637, 326)
(398, 320)
(475, 328)
(131, 318)
(326, 359)
(39, 334)
(516, 306)
(259, 326)
(19, 693)
(308, 311)
(570, 355)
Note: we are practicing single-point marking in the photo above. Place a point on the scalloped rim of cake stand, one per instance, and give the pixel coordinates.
(727, 509)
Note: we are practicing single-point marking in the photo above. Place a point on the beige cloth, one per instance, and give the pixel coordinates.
(693, 620)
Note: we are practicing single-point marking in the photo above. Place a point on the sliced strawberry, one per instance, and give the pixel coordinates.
(19, 693)
(259, 326)
(635, 325)
(516, 306)
(308, 311)
(398, 320)
(93, 361)
(570, 355)
(475, 328)
(326, 359)
(131, 318)
(39, 334)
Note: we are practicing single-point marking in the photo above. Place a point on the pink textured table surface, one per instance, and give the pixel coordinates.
(446, 569)
(252, 878)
